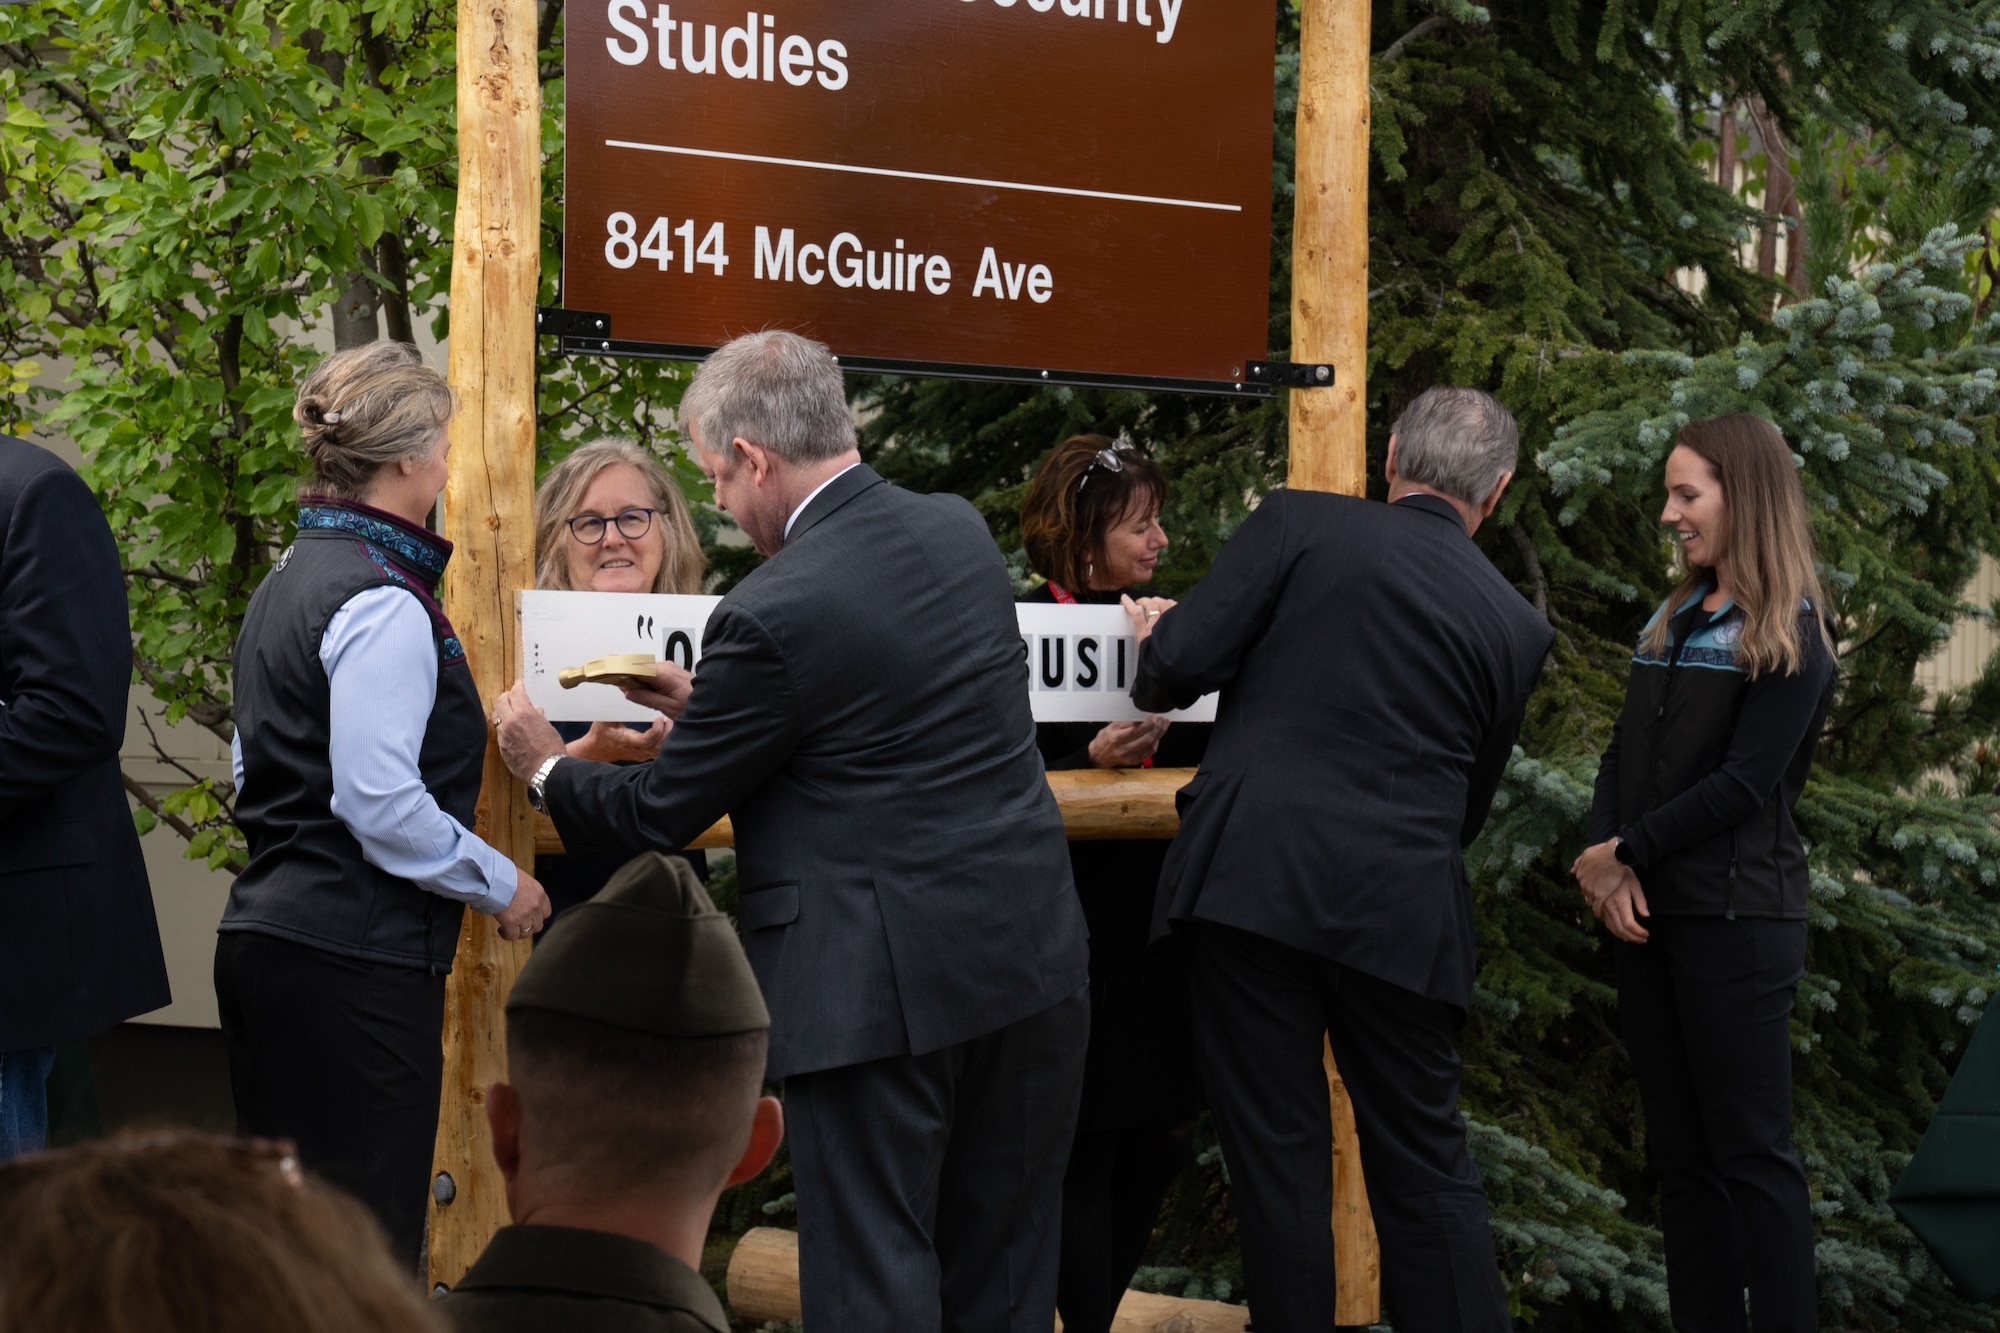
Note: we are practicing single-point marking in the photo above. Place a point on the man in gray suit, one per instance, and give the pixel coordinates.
(859, 712)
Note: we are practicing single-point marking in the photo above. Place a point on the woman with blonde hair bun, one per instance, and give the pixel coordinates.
(608, 518)
(1696, 867)
(360, 741)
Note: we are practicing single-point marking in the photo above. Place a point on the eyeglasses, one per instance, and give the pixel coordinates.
(1108, 459)
(632, 525)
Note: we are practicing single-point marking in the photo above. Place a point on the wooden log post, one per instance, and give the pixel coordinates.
(763, 1286)
(489, 516)
(1328, 444)
(1096, 803)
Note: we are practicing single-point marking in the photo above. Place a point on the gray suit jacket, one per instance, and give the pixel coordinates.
(861, 714)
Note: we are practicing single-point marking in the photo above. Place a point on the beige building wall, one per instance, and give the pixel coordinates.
(1965, 655)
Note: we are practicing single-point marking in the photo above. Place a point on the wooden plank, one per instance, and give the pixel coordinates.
(763, 1285)
(1328, 439)
(489, 516)
(1097, 803)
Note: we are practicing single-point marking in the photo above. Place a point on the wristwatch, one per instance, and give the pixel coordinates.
(1620, 852)
(539, 780)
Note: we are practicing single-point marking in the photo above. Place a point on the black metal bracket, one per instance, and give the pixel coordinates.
(556, 322)
(1290, 374)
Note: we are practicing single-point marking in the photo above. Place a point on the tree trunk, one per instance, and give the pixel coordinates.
(1329, 448)
(489, 516)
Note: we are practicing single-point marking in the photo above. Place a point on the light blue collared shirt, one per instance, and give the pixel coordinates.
(381, 663)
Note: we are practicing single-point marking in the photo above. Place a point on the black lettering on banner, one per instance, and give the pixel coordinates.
(1088, 677)
(1118, 676)
(680, 650)
(1052, 667)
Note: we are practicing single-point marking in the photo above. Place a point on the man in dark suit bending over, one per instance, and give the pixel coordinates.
(860, 714)
(1373, 668)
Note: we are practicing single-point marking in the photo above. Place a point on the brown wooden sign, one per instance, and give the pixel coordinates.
(1073, 190)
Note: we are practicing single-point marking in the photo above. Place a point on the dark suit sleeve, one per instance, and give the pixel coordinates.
(1198, 646)
(68, 640)
(1495, 749)
(741, 725)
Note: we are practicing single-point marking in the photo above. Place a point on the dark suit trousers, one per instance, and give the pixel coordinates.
(1706, 1007)
(930, 1186)
(1260, 1011)
(343, 1057)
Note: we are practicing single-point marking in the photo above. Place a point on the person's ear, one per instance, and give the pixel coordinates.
(767, 1131)
(756, 455)
(503, 1117)
(1389, 464)
(1492, 500)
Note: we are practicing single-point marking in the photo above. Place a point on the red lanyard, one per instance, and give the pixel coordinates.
(1064, 596)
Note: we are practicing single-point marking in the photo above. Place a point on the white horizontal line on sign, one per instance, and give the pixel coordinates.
(923, 176)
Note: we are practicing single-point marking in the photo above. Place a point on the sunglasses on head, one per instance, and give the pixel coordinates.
(1111, 460)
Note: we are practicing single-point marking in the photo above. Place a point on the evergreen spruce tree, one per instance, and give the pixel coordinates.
(1545, 223)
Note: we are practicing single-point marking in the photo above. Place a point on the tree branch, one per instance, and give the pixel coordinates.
(1434, 23)
(25, 58)
(145, 798)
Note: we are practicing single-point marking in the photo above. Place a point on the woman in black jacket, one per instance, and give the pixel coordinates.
(1697, 869)
(1091, 524)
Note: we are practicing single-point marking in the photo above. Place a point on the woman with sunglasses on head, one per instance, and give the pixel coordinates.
(1698, 870)
(608, 518)
(1091, 525)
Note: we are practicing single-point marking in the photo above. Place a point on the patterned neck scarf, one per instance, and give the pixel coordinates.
(407, 555)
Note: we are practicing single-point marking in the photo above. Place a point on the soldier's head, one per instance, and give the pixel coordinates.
(636, 1039)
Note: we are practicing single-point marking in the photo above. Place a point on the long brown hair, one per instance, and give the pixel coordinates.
(189, 1233)
(1075, 500)
(1768, 543)
(681, 562)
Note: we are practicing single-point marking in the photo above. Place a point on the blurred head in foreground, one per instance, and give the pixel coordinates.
(190, 1233)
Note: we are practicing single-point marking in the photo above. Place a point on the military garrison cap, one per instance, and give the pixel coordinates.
(650, 954)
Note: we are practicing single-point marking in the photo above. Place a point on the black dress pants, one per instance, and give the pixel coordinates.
(1260, 1009)
(1706, 1007)
(1112, 1191)
(343, 1057)
(930, 1186)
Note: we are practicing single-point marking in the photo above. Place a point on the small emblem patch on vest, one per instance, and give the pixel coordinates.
(284, 558)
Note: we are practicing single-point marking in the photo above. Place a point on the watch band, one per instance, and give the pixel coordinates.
(1621, 853)
(539, 781)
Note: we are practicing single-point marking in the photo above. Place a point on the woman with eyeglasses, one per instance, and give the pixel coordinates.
(608, 518)
(1091, 525)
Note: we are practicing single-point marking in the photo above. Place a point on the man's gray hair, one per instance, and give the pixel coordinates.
(775, 389)
(1458, 441)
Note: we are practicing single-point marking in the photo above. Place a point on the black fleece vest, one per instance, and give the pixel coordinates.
(307, 880)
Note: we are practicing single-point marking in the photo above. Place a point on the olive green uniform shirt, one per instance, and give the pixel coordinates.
(566, 1280)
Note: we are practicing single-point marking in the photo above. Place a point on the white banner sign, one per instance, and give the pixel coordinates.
(1080, 659)
(1080, 665)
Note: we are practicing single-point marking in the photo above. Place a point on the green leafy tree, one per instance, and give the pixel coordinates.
(197, 195)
